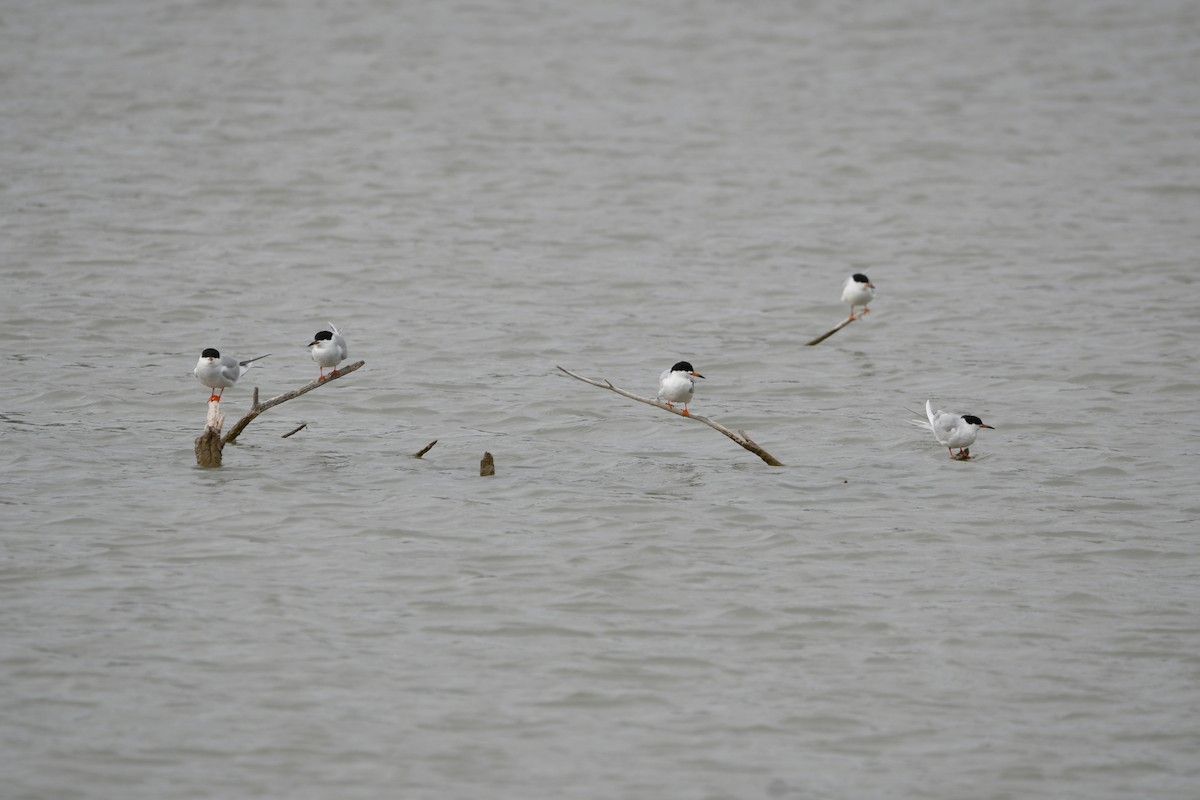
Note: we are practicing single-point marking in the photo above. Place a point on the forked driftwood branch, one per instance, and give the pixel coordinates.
(257, 408)
(836, 328)
(740, 436)
(210, 443)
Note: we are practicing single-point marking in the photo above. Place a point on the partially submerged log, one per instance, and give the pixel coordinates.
(487, 465)
(740, 436)
(211, 442)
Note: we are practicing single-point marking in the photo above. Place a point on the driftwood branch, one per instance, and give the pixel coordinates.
(257, 408)
(836, 328)
(295, 430)
(425, 449)
(210, 443)
(740, 436)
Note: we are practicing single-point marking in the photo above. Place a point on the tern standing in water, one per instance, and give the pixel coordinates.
(952, 430)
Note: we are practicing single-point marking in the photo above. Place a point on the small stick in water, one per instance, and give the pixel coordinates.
(836, 328)
(296, 429)
(425, 449)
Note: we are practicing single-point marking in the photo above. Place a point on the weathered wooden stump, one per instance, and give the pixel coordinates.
(209, 444)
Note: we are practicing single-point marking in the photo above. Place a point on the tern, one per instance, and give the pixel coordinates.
(328, 350)
(677, 385)
(952, 430)
(858, 291)
(220, 372)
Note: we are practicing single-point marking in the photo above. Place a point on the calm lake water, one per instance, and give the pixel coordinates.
(633, 607)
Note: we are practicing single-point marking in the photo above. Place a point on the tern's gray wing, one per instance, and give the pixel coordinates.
(943, 423)
(945, 426)
(231, 370)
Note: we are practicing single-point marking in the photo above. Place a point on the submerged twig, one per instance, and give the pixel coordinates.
(836, 328)
(740, 436)
(425, 449)
(257, 408)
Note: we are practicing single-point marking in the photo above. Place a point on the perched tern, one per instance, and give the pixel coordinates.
(952, 430)
(677, 385)
(220, 372)
(328, 350)
(858, 291)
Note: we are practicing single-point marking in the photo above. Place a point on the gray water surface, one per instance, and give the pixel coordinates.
(633, 607)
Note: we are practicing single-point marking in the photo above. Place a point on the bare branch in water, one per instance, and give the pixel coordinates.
(210, 443)
(740, 436)
(836, 328)
(257, 408)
